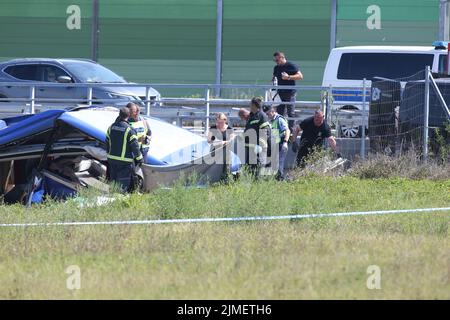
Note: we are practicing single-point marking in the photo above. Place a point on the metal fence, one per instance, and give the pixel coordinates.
(162, 107)
(409, 114)
(196, 113)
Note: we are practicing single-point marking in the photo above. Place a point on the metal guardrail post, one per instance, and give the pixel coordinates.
(328, 104)
(89, 95)
(32, 99)
(363, 127)
(426, 113)
(440, 97)
(207, 95)
(147, 101)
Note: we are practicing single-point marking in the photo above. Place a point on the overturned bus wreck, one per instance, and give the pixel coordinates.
(57, 152)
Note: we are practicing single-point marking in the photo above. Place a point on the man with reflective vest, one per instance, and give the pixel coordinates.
(280, 135)
(123, 151)
(140, 125)
(256, 137)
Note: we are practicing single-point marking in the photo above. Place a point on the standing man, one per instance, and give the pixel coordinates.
(257, 137)
(285, 73)
(280, 135)
(314, 131)
(140, 125)
(122, 151)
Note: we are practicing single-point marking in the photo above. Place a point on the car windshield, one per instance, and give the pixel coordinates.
(93, 73)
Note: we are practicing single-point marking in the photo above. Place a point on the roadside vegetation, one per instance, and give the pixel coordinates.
(297, 259)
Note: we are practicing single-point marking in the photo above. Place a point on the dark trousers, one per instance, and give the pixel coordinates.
(252, 162)
(287, 109)
(304, 151)
(122, 174)
(281, 159)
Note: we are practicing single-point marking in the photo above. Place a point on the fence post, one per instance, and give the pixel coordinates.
(207, 93)
(363, 127)
(426, 113)
(32, 99)
(89, 95)
(328, 104)
(147, 101)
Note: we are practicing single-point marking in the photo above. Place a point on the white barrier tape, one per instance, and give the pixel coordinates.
(230, 219)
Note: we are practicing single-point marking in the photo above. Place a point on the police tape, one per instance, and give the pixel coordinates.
(224, 219)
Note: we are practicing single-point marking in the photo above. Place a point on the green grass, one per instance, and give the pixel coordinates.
(310, 258)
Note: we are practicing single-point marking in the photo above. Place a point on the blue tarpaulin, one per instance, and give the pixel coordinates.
(23, 127)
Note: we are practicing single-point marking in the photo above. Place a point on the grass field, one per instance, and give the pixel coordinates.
(311, 258)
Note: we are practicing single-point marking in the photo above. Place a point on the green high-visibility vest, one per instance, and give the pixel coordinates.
(276, 133)
(141, 131)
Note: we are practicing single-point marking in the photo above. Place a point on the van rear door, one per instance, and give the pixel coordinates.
(360, 65)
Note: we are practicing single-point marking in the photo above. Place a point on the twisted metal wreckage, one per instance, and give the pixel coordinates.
(57, 151)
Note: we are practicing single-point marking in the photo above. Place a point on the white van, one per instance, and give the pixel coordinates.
(348, 66)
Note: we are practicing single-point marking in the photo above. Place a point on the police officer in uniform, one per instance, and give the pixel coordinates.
(280, 135)
(123, 151)
(257, 137)
(140, 125)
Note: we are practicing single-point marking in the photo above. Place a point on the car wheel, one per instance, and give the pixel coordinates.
(350, 131)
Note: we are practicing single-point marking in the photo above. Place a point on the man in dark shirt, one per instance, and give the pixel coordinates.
(314, 131)
(286, 73)
(257, 137)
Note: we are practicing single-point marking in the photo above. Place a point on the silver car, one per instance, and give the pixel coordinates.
(66, 71)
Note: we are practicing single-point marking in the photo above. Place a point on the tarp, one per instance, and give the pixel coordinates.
(21, 128)
(170, 144)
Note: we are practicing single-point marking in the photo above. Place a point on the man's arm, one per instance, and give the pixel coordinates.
(331, 140)
(285, 127)
(108, 139)
(296, 76)
(134, 145)
(287, 135)
(148, 132)
(332, 143)
(296, 131)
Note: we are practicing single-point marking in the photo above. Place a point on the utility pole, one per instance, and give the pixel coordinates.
(444, 23)
(218, 75)
(94, 30)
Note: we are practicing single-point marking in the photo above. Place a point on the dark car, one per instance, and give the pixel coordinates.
(67, 71)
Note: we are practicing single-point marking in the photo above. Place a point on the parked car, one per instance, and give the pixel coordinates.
(348, 66)
(67, 71)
